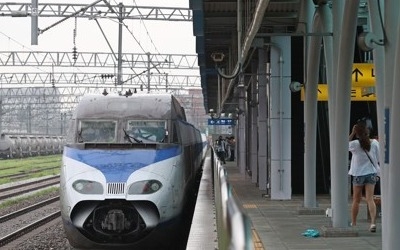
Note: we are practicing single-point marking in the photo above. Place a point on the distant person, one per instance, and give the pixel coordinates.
(364, 168)
(221, 147)
(227, 149)
(232, 145)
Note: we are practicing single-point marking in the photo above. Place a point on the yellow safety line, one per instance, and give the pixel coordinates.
(258, 245)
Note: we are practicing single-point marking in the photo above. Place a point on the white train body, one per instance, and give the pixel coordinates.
(127, 170)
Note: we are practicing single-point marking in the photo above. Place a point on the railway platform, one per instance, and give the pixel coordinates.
(279, 224)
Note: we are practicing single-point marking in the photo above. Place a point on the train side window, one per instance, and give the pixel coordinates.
(97, 131)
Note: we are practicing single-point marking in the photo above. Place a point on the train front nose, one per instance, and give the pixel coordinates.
(115, 220)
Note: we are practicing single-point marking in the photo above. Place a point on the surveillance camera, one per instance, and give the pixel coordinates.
(217, 56)
(295, 86)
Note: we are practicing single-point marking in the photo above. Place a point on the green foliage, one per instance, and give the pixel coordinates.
(11, 202)
(32, 167)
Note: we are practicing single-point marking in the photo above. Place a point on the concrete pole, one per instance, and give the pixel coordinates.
(262, 122)
(242, 127)
(34, 23)
(120, 20)
(390, 21)
(379, 62)
(148, 72)
(253, 129)
(339, 175)
(337, 15)
(279, 117)
(310, 115)
(393, 197)
(327, 27)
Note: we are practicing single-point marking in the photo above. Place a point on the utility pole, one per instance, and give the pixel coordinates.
(120, 20)
(34, 23)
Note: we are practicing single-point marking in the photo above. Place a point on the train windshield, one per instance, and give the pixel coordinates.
(97, 131)
(147, 131)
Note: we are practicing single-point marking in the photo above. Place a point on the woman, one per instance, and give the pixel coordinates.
(364, 168)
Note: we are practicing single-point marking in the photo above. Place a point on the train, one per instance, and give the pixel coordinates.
(20, 146)
(128, 166)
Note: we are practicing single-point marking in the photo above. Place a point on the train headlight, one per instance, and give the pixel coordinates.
(87, 187)
(145, 187)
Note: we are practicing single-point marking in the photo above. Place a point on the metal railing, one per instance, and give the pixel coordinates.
(233, 224)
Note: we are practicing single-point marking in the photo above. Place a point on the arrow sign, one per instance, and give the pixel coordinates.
(363, 75)
(357, 94)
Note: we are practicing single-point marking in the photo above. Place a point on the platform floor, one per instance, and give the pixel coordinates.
(279, 224)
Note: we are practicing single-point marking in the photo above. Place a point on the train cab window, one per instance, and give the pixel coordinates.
(97, 131)
(147, 131)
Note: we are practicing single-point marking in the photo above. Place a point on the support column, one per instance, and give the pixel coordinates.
(280, 118)
(310, 115)
(392, 133)
(253, 128)
(393, 198)
(379, 62)
(339, 174)
(263, 138)
(241, 142)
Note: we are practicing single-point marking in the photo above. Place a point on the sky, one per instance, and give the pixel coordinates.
(157, 37)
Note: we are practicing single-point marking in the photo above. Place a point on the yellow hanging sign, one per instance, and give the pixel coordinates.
(357, 93)
(363, 74)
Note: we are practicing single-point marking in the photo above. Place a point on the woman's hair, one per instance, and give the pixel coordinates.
(362, 133)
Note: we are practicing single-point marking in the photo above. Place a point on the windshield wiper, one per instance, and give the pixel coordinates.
(127, 136)
(80, 138)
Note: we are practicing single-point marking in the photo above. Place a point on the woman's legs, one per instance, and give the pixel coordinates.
(357, 194)
(369, 197)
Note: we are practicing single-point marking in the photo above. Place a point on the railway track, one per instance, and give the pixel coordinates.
(27, 173)
(28, 228)
(28, 209)
(27, 187)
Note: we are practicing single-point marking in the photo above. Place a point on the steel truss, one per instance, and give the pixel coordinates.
(98, 59)
(99, 79)
(47, 107)
(97, 11)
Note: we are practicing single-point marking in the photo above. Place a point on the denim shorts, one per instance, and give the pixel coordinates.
(365, 179)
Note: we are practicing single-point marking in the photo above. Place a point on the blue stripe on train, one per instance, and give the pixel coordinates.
(118, 165)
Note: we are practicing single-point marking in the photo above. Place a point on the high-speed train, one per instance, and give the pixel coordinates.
(127, 167)
(19, 146)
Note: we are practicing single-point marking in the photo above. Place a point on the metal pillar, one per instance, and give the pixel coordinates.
(241, 127)
(337, 16)
(310, 115)
(253, 128)
(280, 118)
(34, 22)
(321, 23)
(393, 198)
(392, 133)
(120, 23)
(263, 137)
(339, 174)
(379, 63)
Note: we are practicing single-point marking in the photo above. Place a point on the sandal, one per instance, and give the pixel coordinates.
(372, 228)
